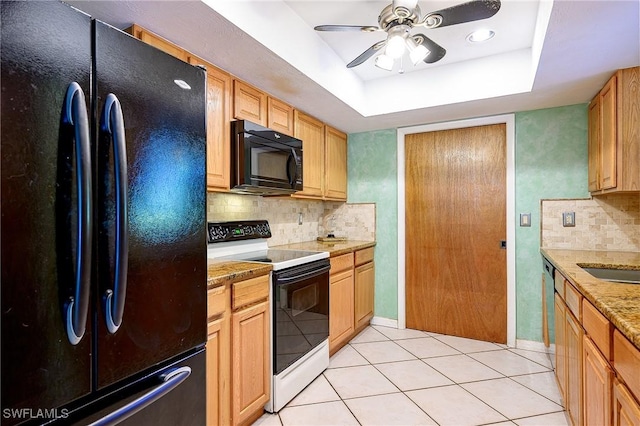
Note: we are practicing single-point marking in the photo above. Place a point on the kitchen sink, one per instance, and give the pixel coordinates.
(627, 276)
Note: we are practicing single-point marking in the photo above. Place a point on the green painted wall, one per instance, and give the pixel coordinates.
(551, 162)
(373, 178)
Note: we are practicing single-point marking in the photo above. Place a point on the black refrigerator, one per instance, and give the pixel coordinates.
(103, 224)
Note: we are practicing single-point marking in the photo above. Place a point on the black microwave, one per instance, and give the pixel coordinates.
(263, 161)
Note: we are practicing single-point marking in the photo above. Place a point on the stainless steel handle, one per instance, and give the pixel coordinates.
(170, 381)
(77, 308)
(112, 125)
(304, 275)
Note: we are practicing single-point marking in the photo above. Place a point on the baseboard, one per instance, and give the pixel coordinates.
(385, 322)
(531, 345)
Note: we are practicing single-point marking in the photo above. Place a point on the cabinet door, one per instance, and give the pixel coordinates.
(279, 116)
(335, 181)
(311, 132)
(249, 103)
(573, 336)
(218, 372)
(340, 308)
(561, 347)
(594, 144)
(608, 155)
(364, 291)
(596, 386)
(251, 361)
(626, 411)
(218, 126)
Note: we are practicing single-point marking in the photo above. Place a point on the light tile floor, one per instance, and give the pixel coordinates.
(386, 376)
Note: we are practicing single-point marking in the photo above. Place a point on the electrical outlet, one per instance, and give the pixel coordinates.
(569, 219)
(300, 218)
(525, 219)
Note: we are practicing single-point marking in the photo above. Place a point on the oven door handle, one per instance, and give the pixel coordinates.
(305, 275)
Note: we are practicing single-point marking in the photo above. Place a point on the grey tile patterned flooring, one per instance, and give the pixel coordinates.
(386, 376)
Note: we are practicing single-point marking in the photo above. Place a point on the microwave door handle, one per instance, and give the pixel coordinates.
(294, 178)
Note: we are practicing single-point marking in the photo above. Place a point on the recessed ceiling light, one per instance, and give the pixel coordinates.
(480, 35)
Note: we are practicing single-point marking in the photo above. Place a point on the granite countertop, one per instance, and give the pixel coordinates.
(620, 303)
(221, 272)
(335, 248)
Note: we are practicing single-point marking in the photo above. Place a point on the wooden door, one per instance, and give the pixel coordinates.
(364, 290)
(249, 103)
(596, 386)
(279, 116)
(574, 335)
(311, 132)
(626, 411)
(335, 182)
(456, 280)
(561, 347)
(251, 361)
(594, 144)
(608, 170)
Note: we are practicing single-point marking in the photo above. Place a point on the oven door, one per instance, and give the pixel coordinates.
(300, 311)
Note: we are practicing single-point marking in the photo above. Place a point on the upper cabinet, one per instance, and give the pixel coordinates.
(614, 135)
(335, 158)
(324, 165)
(249, 103)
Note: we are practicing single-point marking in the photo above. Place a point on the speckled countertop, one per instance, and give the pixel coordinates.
(334, 248)
(220, 272)
(620, 303)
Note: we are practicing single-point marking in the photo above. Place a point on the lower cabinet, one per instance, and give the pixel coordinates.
(597, 379)
(626, 411)
(561, 347)
(365, 281)
(238, 352)
(574, 336)
(341, 301)
(250, 365)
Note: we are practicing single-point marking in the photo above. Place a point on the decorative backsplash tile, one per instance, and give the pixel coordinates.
(356, 221)
(610, 222)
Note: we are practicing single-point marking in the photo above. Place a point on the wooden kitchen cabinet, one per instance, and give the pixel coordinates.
(238, 351)
(279, 116)
(311, 131)
(626, 411)
(218, 125)
(251, 360)
(614, 135)
(249, 103)
(341, 301)
(364, 287)
(335, 173)
(573, 337)
(596, 386)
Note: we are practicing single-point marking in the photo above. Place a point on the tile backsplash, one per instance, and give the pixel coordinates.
(356, 221)
(610, 222)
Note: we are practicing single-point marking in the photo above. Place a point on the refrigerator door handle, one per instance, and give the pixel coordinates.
(77, 308)
(112, 124)
(170, 380)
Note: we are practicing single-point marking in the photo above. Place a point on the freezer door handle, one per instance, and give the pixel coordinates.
(112, 128)
(77, 308)
(170, 380)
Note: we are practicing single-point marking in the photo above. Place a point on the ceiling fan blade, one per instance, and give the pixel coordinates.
(368, 29)
(465, 12)
(367, 54)
(436, 52)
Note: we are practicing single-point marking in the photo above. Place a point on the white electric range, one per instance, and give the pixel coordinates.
(299, 301)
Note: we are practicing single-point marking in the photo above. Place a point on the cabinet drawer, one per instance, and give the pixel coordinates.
(215, 302)
(597, 327)
(558, 283)
(626, 361)
(341, 263)
(364, 256)
(573, 299)
(250, 291)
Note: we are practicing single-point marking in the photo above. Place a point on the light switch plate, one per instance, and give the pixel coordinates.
(568, 219)
(525, 219)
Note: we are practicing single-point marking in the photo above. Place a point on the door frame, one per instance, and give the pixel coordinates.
(509, 121)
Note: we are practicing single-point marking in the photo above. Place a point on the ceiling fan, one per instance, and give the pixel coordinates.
(400, 17)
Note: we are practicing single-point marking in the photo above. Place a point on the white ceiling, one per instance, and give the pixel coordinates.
(271, 44)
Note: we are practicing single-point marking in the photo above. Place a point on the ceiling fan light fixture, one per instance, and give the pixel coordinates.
(395, 46)
(480, 36)
(384, 62)
(417, 52)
